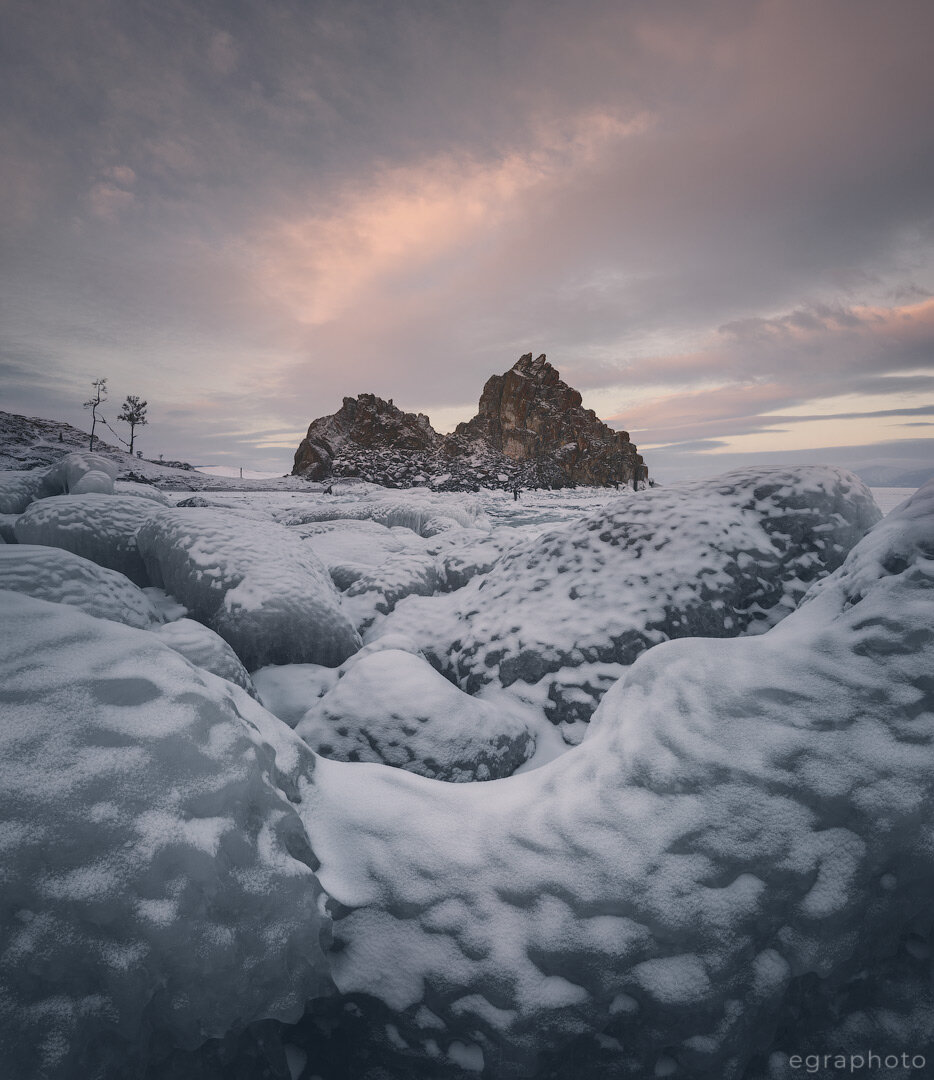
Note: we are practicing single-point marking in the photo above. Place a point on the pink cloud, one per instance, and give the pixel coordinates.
(409, 219)
(759, 365)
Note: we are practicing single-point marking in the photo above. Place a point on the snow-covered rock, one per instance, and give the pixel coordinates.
(713, 558)
(62, 577)
(746, 826)
(98, 527)
(254, 583)
(205, 649)
(156, 887)
(393, 707)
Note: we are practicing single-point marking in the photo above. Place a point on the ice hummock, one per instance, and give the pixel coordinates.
(157, 884)
(251, 581)
(716, 558)
(205, 649)
(99, 527)
(51, 573)
(393, 707)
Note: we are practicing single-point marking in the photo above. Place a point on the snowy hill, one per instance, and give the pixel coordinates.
(30, 442)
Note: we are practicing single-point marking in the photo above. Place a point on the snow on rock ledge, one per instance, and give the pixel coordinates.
(62, 577)
(254, 583)
(98, 527)
(743, 816)
(393, 707)
(712, 558)
(156, 886)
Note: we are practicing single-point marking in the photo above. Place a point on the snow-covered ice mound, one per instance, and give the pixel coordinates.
(141, 491)
(377, 591)
(747, 825)
(350, 548)
(374, 565)
(205, 649)
(98, 527)
(712, 558)
(393, 707)
(156, 880)
(19, 489)
(81, 473)
(62, 577)
(480, 555)
(253, 582)
(78, 473)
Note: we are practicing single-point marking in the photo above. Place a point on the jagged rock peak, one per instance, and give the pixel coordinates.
(530, 414)
(530, 430)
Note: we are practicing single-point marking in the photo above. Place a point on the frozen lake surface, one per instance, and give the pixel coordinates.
(392, 784)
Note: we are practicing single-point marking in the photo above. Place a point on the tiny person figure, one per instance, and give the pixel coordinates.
(515, 493)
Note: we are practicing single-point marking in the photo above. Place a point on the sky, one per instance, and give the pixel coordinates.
(716, 219)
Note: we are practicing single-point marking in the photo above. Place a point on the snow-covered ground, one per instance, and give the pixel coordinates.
(387, 784)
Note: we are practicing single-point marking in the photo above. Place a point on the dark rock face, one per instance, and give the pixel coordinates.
(530, 414)
(530, 431)
(367, 423)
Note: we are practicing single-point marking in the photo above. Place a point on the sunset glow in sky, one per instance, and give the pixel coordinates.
(717, 219)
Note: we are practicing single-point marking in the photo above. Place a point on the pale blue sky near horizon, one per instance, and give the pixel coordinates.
(717, 220)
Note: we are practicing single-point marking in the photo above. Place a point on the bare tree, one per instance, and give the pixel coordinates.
(133, 412)
(94, 403)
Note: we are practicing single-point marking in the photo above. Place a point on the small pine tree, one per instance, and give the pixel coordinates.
(133, 412)
(94, 403)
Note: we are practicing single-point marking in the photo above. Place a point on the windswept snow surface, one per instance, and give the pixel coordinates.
(744, 815)
(156, 884)
(252, 582)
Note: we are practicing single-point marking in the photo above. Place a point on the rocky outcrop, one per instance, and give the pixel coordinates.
(364, 423)
(530, 431)
(531, 414)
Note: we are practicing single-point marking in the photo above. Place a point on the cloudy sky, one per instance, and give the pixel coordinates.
(717, 219)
